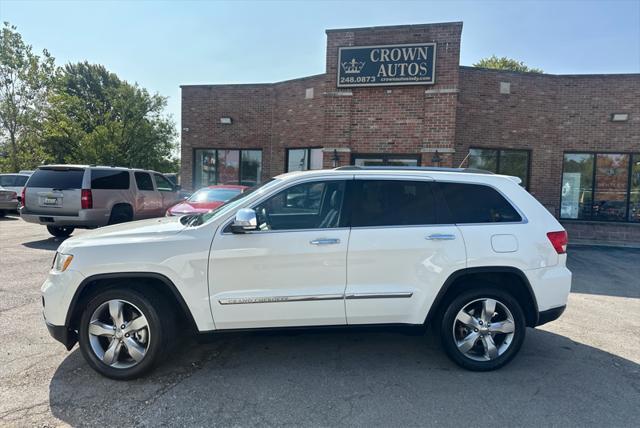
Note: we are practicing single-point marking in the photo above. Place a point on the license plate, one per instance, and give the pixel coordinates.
(50, 201)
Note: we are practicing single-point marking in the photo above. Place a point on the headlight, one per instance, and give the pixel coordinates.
(61, 262)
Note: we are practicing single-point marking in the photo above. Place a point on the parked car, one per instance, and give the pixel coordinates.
(8, 201)
(472, 254)
(206, 199)
(14, 182)
(65, 197)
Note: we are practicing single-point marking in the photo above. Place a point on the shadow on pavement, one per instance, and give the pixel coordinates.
(51, 244)
(8, 218)
(610, 271)
(354, 377)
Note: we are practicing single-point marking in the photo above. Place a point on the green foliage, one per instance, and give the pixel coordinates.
(80, 113)
(24, 82)
(505, 63)
(97, 118)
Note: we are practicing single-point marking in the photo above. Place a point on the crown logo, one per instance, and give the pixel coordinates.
(353, 66)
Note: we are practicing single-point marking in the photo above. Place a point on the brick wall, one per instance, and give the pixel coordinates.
(406, 119)
(548, 115)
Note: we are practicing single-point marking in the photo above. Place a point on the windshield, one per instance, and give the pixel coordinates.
(237, 200)
(213, 195)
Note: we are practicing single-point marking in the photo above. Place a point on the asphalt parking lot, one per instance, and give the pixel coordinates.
(582, 370)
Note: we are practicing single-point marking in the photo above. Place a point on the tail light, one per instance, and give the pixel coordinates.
(559, 240)
(23, 201)
(86, 199)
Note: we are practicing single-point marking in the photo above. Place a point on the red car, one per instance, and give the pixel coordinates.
(206, 199)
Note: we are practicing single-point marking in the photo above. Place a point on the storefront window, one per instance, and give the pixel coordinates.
(385, 160)
(634, 192)
(508, 162)
(602, 186)
(304, 159)
(204, 168)
(227, 167)
(251, 167)
(611, 186)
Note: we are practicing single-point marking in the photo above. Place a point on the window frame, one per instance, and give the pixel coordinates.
(307, 149)
(345, 222)
(217, 173)
(498, 156)
(595, 154)
(354, 194)
(135, 178)
(449, 213)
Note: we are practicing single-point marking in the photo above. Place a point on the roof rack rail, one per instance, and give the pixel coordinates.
(412, 168)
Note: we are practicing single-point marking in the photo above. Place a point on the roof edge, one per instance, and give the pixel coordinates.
(394, 27)
(530, 73)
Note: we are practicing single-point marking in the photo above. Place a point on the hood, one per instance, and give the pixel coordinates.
(134, 231)
(187, 207)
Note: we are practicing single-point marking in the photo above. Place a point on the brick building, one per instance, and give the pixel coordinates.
(398, 96)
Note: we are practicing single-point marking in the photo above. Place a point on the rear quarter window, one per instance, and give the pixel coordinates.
(477, 203)
(59, 178)
(7, 180)
(109, 179)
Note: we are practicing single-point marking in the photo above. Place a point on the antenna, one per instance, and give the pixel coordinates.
(465, 159)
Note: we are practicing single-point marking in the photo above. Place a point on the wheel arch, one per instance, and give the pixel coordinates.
(144, 280)
(506, 278)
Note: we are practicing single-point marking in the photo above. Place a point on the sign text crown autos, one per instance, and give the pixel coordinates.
(388, 65)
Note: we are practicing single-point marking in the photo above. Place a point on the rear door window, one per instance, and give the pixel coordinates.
(476, 203)
(58, 178)
(109, 179)
(143, 181)
(393, 203)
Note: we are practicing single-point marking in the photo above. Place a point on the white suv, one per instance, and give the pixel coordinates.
(471, 253)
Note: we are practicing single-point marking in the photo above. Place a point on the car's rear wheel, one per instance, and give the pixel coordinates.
(123, 333)
(61, 231)
(483, 329)
(120, 214)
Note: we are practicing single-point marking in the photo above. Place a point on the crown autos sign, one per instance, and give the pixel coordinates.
(388, 65)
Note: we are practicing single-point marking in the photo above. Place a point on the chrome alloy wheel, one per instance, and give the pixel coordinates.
(483, 329)
(119, 334)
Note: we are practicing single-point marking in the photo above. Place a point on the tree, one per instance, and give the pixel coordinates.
(97, 118)
(505, 63)
(24, 82)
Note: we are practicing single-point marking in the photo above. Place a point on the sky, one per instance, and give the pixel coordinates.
(164, 44)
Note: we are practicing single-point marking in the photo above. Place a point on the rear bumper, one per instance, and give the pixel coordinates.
(63, 335)
(550, 315)
(9, 205)
(85, 218)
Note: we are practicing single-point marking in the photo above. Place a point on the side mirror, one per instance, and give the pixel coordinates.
(177, 187)
(245, 221)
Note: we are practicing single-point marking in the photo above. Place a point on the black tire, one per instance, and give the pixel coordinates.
(120, 214)
(61, 231)
(161, 325)
(2, 213)
(448, 320)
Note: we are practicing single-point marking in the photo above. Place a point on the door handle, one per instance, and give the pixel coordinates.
(325, 241)
(440, 237)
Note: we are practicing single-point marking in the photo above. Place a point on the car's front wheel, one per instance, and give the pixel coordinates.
(60, 231)
(123, 333)
(482, 329)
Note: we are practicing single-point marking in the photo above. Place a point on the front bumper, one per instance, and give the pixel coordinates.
(550, 315)
(63, 335)
(86, 218)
